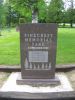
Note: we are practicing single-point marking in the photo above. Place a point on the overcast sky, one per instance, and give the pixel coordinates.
(67, 4)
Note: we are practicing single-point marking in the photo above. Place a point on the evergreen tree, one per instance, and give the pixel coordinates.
(55, 11)
(71, 12)
(1, 13)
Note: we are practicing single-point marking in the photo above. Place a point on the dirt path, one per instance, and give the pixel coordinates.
(3, 77)
(71, 77)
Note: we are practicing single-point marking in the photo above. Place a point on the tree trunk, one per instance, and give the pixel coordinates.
(0, 30)
(64, 24)
(71, 24)
(0, 34)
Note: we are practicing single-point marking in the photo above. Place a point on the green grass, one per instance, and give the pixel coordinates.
(66, 46)
(10, 47)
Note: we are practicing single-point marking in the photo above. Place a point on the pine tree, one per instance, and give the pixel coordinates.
(55, 11)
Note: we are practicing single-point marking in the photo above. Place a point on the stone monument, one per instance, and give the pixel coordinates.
(38, 44)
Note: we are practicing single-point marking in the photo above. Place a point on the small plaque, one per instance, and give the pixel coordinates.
(38, 56)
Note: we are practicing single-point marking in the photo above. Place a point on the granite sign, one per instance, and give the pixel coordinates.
(38, 50)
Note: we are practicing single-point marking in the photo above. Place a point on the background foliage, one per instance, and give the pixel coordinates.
(12, 10)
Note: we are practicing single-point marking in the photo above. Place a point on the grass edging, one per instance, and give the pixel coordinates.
(60, 68)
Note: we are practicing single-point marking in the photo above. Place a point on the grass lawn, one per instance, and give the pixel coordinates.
(66, 45)
(10, 47)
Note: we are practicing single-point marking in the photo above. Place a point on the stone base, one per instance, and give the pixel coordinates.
(21, 81)
(11, 85)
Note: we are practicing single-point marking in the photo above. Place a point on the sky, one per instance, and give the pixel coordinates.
(67, 4)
